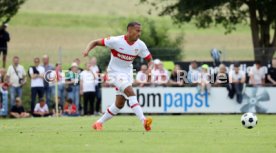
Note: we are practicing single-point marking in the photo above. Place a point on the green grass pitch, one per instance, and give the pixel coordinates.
(124, 134)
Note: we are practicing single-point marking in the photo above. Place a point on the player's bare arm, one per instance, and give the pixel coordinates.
(92, 45)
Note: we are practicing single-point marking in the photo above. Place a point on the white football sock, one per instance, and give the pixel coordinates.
(134, 105)
(110, 112)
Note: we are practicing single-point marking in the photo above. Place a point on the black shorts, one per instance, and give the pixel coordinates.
(3, 51)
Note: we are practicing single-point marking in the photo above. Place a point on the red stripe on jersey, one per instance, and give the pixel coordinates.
(122, 56)
(148, 57)
(103, 42)
(110, 112)
(134, 105)
(130, 43)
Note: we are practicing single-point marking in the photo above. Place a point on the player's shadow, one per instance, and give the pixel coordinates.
(128, 131)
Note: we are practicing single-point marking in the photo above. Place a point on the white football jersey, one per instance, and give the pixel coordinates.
(123, 53)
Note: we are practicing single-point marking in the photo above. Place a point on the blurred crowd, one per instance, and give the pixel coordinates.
(78, 90)
(234, 78)
(51, 85)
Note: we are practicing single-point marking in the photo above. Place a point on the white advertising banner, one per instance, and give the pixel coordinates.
(188, 100)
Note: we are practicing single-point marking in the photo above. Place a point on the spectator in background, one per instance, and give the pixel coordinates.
(97, 71)
(216, 54)
(77, 60)
(41, 109)
(87, 89)
(142, 76)
(160, 76)
(236, 80)
(222, 78)
(272, 72)
(4, 39)
(257, 75)
(37, 86)
(174, 80)
(73, 84)
(193, 73)
(61, 82)
(16, 78)
(48, 88)
(204, 80)
(155, 70)
(163, 76)
(18, 111)
(70, 109)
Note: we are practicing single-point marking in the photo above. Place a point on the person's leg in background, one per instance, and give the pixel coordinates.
(61, 93)
(4, 104)
(53, 94)
(202, 88)
(19, 92)
(85, 102)
(76, 93)
(37, 115)
(92, 97)
(99, 100)
(48, 95)
(12, 95)
(238, 89)
(232, 90)
(208, 88)
(71, 94)
(81, 104)
(40, 92)
(33, 98)
(4, 58)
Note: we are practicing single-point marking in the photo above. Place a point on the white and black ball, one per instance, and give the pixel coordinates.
(249, 120)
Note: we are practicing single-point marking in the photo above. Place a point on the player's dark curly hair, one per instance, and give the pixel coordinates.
(132, 24)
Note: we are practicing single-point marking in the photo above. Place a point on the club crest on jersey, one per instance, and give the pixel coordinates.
(136, 50)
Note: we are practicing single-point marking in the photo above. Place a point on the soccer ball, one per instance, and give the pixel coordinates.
(249, 120)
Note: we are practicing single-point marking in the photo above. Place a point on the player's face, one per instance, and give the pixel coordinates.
(135, 32)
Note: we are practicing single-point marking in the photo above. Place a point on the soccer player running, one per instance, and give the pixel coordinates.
(124, 49)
